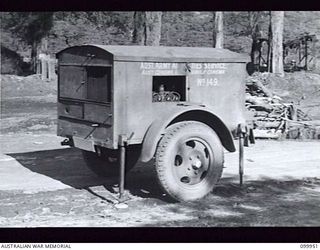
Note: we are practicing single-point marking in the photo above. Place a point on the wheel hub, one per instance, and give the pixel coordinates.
(191, 161)
(196, 164)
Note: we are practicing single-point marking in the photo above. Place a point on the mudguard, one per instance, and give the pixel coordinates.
(184, 113)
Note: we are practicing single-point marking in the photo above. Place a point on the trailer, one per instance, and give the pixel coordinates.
(179, 107)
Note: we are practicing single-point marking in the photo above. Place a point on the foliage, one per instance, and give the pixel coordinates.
(10, 62)
(74, 28)
(29, 26)
(113, 27)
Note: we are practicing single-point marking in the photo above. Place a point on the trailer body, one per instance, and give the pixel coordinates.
(107, 94)
(105, 91)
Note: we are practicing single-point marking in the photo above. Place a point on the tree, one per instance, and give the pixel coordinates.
(218, 30)
(276, 22)
(31, 27)
(147, 28)
(254, 30)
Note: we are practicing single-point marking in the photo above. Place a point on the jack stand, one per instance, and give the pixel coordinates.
(122, 144)
(241, 134)
(241, 158)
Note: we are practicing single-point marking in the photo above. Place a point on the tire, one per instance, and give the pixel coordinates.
(107, 163)
(189, 160)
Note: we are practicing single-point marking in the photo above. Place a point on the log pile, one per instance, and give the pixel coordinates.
(273, 118)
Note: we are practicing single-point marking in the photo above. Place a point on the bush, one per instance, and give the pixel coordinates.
(11, 62)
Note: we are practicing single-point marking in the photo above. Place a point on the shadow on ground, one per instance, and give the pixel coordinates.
(67, 166)
(264, 202)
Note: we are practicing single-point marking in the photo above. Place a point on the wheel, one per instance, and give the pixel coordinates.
(107, 162)
(189, 160)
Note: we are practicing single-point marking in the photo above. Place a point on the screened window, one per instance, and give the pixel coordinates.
(99, 84)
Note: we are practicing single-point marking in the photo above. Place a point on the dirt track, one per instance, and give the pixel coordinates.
(44, 184)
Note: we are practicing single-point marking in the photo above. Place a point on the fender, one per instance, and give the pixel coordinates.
(184, 113)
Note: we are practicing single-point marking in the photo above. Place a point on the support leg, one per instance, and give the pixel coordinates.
(122, 142)
(241, 134)
(241, 144)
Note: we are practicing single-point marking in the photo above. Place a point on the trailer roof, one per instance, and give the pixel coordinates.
(170, 54)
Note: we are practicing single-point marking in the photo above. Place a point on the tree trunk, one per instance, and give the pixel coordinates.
(218, 30)
(256, 46)
(34, 50)
(153, 26)
(139, 28)
(44, 45)
(269, 57)
(277, 41)
(147, 28)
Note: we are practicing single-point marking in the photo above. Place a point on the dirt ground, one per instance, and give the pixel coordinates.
(44, 184)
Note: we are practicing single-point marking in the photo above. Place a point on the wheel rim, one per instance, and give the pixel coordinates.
(191, 161)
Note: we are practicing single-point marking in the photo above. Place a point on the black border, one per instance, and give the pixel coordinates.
(160, 5)
(162, 235)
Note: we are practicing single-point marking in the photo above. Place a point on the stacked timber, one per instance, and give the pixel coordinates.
(273, 118)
